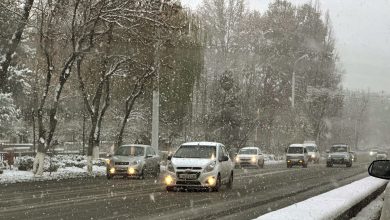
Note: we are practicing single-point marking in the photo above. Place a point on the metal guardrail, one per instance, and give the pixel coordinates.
(385, 215)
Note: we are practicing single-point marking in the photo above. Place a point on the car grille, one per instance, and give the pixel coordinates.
(189, 173)
(245, 160)
(121, 163)
(189, 168)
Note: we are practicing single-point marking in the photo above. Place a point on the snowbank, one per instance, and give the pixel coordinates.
(269, 162)
(328, 205)
(15, 176)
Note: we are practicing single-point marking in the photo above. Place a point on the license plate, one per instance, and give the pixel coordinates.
(187, 176)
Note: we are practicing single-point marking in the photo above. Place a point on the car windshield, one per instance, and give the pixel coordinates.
(133, 151)
(335, 149)
(247, 151)
(295, 150)
(310, 148)
(196, 151)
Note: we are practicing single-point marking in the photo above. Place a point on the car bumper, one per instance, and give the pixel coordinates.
(247, 163)
(338, 161)
(130, 170)
(295, 162)
(202, 181)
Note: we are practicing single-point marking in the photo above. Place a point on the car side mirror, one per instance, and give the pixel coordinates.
(169, 157)
(380, 169)
(224, 158)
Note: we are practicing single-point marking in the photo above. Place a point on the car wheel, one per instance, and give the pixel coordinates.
(142, 174)
(169, 188)
(289, 166)
(348, 164)
(329, 165)
(304, 165)
(157, 173)
(109, 176)
(217, 184)
(230, 183)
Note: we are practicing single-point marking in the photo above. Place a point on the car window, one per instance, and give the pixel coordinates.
(130, 151)
(186, 151)
(295, 150)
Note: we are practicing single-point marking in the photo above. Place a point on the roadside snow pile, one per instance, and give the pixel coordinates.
(328, 205)
(15, 176)
(52, 164)
(55, 167)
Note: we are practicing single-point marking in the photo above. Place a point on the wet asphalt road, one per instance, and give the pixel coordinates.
(255, 192)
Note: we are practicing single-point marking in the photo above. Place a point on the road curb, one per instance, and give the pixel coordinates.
(385, 215)
(355, 209)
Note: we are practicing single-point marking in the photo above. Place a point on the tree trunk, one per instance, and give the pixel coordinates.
(13, 43)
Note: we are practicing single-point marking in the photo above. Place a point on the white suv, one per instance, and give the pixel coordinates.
(312, 150)
(199, 165)
(296, 154)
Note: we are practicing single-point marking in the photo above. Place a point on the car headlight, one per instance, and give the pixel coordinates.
(329, 156)
(170, 168)
(313, 156)
(237, 159)
(253, 159)
(135, 162)
(210, 167)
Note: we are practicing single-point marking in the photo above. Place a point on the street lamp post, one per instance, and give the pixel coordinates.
(293, 80)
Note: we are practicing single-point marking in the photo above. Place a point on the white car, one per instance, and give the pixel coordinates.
(199, 165)
(312, 150)
(297, 155)
(250, 156)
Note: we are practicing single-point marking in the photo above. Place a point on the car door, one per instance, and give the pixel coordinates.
(305, 155)
(225, 164)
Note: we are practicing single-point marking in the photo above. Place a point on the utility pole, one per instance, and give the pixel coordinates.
(156, 94)
(293, 80)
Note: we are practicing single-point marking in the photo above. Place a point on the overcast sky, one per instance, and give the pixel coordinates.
(362, 32)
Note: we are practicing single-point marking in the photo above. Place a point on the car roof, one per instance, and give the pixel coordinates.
(204, 143)
(257, 148)
(135, 145)
(296, 145)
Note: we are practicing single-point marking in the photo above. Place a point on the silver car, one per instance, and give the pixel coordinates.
(134, 161)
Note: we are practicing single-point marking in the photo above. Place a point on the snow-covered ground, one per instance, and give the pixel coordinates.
(15, 176)
(372, 211)
(336, 201)
(269, 162)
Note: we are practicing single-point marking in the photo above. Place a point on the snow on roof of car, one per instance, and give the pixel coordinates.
(250, 148)
(201, 143)
(135, 145)
(296, 145)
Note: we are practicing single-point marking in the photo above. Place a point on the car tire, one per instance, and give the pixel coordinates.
(289, 166)
(142, 174)
(157, 173)
(169, 188)
(304, 165)
(329, 165)
(229, 185)
(217, 184)
(109, 176)
(349, 165)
